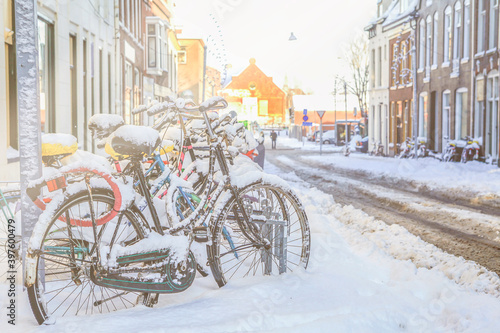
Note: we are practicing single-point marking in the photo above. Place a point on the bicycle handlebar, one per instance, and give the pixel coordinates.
(139, 109)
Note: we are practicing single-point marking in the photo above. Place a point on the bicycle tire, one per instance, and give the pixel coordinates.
(284, 255)
(67, 254)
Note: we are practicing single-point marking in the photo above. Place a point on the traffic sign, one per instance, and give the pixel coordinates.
(305, 118)
(305, 123)
(320, 113)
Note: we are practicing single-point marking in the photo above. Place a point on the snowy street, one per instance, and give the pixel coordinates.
(366, 273)
(462, 219)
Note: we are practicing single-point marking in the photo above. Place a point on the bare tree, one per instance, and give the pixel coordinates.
(356, 55)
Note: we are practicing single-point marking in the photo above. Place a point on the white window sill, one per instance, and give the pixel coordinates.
(433, 67)
(420, 70)
(446, 64)
(155, 71)
(464, 60)
(479, 54)
(490, 51)
(454, 75)
(426, 79)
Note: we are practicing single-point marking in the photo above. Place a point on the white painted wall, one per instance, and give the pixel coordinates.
(92, 21)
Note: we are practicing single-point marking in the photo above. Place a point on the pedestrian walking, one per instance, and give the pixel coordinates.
(261, 150)
(273, 139)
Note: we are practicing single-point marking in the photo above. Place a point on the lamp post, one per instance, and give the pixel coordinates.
(335, 92)
(413, 26)
(345, 104)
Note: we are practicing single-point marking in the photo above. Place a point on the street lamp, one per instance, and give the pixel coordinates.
(413, 26)
(345, 105)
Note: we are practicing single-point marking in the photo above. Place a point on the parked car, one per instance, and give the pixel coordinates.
(312, 136)
(328, 137)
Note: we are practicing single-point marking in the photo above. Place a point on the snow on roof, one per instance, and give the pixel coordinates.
(393, 13)
(324, 102)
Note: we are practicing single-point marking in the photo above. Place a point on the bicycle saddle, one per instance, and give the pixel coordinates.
(135, 140)
(55, 146)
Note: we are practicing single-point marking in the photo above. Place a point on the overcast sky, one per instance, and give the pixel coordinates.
(242, 29)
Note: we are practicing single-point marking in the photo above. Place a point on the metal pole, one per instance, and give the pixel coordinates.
(345, 126)
(28, 100)
(336, 131)
(204, 71)
(320, 135)
(415, 106)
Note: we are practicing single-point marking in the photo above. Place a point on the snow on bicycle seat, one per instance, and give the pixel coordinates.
(135, 140)
(103, 125)
(54, 144)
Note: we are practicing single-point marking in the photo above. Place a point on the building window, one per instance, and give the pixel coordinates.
(394, 68)
(466, 29)
(151, 45)
(428, 45)
(85, 92)
(121, 11)
(457, 30)
(493, 29)
(46, 75)
(435, 45)
(372, 74)
(403, 5)
(421, 56)
(73, 85)
(157, 47)
(423, 116)
(481, 25)
(379, 67)
(479, 107)
(129, 83)
(110, 106)
(461, 114)
(447, 35)
(182, 57)
(491, 142)
(380, 7)
(101, 87)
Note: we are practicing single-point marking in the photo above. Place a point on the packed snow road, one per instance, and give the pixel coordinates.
(460, 222)
(363, 276)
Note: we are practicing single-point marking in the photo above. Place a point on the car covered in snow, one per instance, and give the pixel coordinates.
(328, 137)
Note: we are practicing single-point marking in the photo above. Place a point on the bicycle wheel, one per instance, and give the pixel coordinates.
(64, 264)
(278, 220)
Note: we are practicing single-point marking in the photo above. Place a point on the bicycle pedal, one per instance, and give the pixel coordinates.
(200, 234)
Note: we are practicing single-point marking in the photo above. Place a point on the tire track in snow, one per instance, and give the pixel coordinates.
(456, 242)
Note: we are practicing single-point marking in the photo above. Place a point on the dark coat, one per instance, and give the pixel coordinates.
(274, 136)
(259, 159)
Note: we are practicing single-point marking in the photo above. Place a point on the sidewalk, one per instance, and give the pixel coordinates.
(476, 176)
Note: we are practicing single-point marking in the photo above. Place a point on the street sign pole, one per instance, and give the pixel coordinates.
(320, 115)
(305, 118)
(29, 110)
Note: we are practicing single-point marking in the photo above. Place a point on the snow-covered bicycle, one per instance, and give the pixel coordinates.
(79, 261)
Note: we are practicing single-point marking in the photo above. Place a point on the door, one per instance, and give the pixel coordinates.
(446, 118)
